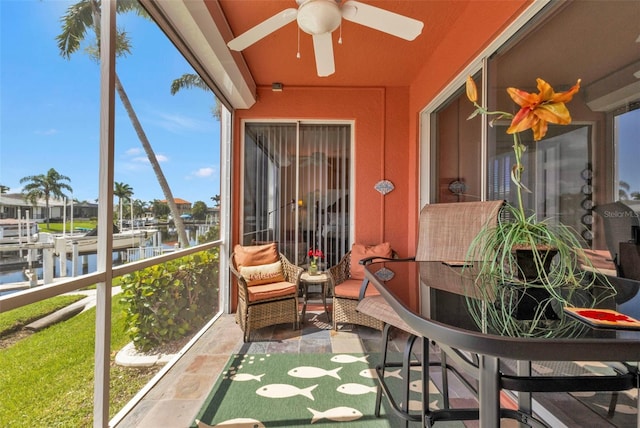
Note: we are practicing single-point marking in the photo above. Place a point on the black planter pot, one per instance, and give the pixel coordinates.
(528, 269)
(531, 297)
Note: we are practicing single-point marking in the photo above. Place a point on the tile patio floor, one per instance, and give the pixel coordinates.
(175, 400)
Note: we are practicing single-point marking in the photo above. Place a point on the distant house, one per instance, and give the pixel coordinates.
(84, 210)
(213, 215)
(184, 207)
(14, 205)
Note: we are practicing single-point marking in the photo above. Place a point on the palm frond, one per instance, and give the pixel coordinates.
(188, 81)
(75, 23)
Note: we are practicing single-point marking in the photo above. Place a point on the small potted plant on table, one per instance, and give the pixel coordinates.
(314, 256)
(529, 269)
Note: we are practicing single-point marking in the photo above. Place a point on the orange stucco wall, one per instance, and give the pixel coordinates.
(381, 143)
(386, 122)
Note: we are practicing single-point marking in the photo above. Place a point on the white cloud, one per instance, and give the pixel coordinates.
(133, 151)
(204, 172)
(177, 123)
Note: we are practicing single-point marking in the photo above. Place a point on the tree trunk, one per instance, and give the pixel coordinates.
(182, 233)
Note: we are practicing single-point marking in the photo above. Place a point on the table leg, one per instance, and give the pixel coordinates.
(489, 392)
(305, 289)
(324, 301)
(638, 400)
(426, 382)
(524, 398)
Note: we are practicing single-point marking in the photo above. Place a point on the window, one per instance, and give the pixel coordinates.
(574, 167)
(296, 188)
(627, 140)
(457, 151)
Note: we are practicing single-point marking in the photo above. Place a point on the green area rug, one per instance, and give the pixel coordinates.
(296, 390)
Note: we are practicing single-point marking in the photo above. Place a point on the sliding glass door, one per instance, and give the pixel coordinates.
(296, 188)
(575, 167)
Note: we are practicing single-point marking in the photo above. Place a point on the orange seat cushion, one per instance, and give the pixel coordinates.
(361, 251)
(271, 291)
(350, 289)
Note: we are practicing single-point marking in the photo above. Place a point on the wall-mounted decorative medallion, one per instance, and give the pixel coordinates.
(384, 186)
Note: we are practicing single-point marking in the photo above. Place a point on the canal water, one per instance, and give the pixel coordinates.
(88, 263)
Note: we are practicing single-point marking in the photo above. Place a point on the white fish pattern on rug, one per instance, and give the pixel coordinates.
(341, 386)
(356, 389)
(283, 390)
(337, 414)
(371, 373)
(233, 423)
(347, 359)
(307, 372)
(244, 377)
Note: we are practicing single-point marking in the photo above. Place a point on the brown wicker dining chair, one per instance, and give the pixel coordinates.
(267, 287)
(348, 277)
(445, 232)
(618, 219)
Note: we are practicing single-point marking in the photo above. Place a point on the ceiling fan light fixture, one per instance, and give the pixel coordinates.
(319, 16)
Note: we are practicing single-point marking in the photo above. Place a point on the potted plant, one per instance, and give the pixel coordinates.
(529, 269)
(314, 256)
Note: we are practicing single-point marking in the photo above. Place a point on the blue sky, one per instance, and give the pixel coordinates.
(629, 150)
(49, 109)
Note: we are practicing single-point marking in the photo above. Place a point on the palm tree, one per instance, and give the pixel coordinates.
(190, 80)
(216, 200)
(3, 189)
(78, 19)
(44, 187)
(122, 190)
(623, 190)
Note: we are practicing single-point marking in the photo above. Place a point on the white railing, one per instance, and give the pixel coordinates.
(141, 253)
(32, 295)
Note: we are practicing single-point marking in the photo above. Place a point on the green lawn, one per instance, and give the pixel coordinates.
(47, 378)
(17, 318)
(57, 227)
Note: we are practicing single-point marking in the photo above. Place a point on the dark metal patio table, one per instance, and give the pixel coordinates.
(429, 297)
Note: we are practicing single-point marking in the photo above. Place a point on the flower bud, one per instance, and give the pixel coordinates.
(472, 91)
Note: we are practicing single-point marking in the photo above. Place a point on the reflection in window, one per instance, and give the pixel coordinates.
(457, 150)
(627, 137)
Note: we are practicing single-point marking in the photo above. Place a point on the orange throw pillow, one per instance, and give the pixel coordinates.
(255, 255)
(361, 251)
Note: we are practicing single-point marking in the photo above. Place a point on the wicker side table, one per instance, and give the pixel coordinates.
(322, 279)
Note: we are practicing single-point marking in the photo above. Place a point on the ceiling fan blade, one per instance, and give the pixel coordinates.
(382, 20)
(263, 29)
(323, 49)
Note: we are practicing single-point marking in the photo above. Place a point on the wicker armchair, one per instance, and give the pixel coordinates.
(346, 289)
(267, 287)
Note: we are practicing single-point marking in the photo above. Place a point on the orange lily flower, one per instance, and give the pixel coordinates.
(539, 109)
(472, 91)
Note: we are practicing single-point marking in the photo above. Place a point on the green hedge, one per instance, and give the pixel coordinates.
(170, 300)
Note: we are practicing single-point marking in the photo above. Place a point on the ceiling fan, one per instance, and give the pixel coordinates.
(321, 17)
